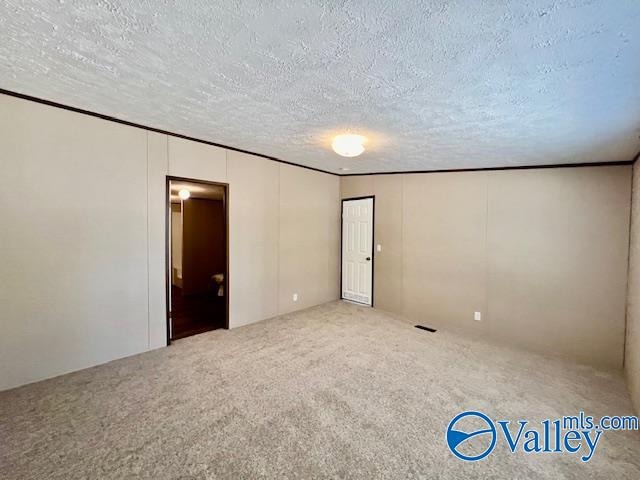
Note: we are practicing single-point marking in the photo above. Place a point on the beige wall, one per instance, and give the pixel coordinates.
(253, 237)
(82, 242)
(73, 246)
(541, 253)
(443, 259)
(632, 351)
(309, 221)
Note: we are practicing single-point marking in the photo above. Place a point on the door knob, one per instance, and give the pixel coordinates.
(368, 259)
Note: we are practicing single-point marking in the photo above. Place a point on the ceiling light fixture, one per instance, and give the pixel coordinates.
(348, 145)
(184, 194)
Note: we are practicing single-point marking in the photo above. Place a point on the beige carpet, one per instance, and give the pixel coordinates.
(333, 391)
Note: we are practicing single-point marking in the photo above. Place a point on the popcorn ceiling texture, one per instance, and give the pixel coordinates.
(436, 85)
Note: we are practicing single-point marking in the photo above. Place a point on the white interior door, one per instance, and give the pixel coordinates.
(357, 250)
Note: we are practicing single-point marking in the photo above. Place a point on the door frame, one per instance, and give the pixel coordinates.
(167, 243)
(373, 242)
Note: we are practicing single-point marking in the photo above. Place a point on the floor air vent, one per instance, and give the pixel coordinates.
(428, 329)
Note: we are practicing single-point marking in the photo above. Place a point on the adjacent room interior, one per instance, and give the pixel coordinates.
(320, 240)
(197, 247)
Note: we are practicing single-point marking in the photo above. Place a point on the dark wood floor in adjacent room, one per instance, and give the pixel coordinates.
(197, 313)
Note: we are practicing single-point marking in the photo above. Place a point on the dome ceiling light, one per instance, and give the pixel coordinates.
(348, 145)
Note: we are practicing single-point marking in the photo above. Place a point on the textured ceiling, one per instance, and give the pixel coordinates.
(435, 85)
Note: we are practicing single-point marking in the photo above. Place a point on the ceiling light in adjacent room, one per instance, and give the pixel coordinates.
(184, 194)
(348, 145)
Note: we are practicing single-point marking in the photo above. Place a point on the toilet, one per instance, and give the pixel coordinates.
(218, 280)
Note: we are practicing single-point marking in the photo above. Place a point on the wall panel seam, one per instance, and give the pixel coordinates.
(278, 308)
(402, 219)
(486, 253)
(630, 238)
(148, 250)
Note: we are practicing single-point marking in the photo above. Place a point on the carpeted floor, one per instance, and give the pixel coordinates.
(335, 391)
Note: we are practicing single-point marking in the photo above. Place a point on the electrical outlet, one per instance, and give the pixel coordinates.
(295, 297)
(477, 316)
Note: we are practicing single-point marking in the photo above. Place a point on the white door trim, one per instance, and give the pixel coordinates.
(362, 297)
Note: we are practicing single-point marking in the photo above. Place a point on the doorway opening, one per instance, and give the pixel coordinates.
(197, 257)
(357, 260)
